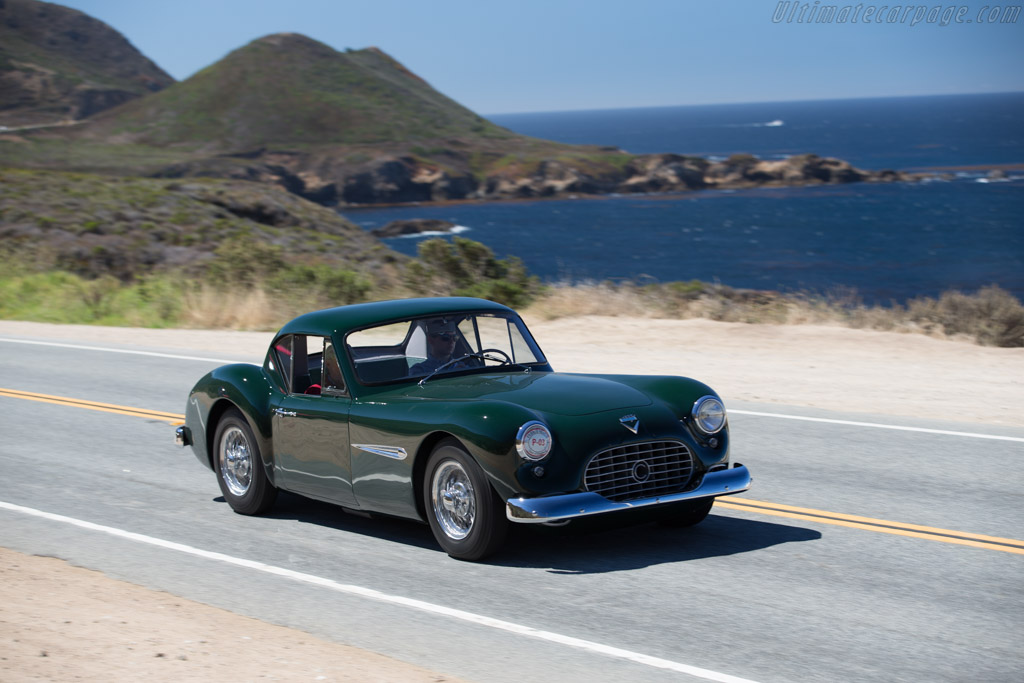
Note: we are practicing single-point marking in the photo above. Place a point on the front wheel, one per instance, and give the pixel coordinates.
(464, 512)
(239, 467)
(688, 514)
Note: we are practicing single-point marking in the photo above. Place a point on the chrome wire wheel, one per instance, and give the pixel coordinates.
(235, 457)
(453, 499)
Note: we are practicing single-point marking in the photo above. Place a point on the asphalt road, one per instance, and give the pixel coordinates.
(751, 593)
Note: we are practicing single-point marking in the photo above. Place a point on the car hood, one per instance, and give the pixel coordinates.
(548, 392)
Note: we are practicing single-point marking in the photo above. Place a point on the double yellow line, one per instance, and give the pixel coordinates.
(170, 418)
(1006, 545)
(883, 526)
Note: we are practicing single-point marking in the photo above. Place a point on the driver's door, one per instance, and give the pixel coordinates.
(310, 421)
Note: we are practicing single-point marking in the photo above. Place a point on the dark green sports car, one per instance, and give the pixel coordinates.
(445, 410)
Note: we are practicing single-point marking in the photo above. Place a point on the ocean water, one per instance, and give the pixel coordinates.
(889, 242)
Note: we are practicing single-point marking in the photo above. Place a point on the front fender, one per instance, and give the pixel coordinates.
(487, 429)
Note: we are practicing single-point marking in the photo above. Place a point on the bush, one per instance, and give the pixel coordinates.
(242, 261)
(321, 285)
(467, 268)
(993, 316)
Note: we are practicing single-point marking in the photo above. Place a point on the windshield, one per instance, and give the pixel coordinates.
(441, 344)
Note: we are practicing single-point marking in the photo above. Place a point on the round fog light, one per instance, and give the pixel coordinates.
(538, 471)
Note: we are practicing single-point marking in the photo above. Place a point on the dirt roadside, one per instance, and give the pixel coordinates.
(59, 622)
(62, 623)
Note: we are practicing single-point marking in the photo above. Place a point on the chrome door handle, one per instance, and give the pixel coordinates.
(285, 413)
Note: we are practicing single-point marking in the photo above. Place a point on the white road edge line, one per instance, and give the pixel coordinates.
(875, 425)
(878, 425)
(109, 350)
(372, 594)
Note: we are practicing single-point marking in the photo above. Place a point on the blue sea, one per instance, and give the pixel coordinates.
(889, 242)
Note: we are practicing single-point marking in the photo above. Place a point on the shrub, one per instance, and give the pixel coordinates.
(467, 268)
(993, 316)
(242, 261)
(321, 285)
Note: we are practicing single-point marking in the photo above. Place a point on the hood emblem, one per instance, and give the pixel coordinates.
(630, 422)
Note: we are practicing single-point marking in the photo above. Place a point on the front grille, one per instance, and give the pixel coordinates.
(639, 470)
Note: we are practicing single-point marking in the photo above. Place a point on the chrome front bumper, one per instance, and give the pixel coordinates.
(182, 436)
(570, 505)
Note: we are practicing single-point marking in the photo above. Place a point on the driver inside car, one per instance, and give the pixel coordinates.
(442, 336)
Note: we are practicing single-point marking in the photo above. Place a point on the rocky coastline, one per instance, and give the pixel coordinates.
(407, 178)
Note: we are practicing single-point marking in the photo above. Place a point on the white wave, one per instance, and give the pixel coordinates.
(775, 123)
(436, 233)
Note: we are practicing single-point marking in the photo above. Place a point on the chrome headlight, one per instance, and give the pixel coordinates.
(708, 415)
(533, 441)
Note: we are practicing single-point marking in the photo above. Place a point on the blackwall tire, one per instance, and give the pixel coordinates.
(465, 514)
(239, 466)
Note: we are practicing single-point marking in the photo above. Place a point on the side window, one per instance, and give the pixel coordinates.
(283, 353)
(333, 380)
(378, 353)
(521, 351)
(301, 359)
(493, 333)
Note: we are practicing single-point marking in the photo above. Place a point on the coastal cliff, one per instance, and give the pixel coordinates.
(396, 179)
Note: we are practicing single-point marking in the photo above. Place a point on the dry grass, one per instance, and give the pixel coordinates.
(208, 308)
(258, 308)
(990, 317)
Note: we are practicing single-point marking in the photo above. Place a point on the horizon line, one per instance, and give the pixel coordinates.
(767, 102)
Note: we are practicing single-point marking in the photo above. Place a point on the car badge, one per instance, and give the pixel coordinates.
(630, 422)
(641, 471)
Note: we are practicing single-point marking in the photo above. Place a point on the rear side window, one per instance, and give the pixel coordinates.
(301, 357)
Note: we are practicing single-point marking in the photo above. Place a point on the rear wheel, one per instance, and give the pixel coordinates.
(464, 512)
(239, 466)
(688, 514)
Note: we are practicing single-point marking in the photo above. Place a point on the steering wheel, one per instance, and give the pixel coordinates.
(505, 359)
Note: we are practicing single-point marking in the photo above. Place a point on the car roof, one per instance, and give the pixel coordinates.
(344, 318)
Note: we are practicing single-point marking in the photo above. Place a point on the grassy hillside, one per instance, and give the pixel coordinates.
(96, 226)
(286, 90)
(57, 63)
(82, 248)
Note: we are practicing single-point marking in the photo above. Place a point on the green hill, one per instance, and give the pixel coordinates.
(287, 89)
(58, 64)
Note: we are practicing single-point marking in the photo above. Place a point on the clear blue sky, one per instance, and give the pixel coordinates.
(553, 55)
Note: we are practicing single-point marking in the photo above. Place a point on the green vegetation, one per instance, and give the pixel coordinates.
(248, 283)
(83, 248)
(467, 268)
(62, 297)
